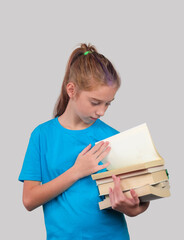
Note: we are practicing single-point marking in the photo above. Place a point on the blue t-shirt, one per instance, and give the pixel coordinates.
(75, 213)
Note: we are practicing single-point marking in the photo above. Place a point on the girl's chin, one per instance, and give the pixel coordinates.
(89, 120)
(93, 119)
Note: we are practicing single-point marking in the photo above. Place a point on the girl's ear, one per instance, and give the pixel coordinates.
(71, 89)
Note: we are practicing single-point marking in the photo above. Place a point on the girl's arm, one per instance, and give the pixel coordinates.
(36, 194)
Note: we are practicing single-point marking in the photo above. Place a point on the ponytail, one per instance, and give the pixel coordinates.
(87, 69)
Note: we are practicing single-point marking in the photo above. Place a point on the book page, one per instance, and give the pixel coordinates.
(131, 147)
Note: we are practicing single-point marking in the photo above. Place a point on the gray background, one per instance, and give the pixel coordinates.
(144, 40)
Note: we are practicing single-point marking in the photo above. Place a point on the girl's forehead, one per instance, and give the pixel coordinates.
(102, 93)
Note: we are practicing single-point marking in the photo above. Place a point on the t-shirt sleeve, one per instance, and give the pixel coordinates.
(31, 168)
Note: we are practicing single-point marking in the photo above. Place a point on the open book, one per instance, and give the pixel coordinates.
(134, 146)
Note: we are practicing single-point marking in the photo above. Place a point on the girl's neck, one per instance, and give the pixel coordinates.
(72, 121)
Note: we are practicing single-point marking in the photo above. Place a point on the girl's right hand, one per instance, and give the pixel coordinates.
(87, 161)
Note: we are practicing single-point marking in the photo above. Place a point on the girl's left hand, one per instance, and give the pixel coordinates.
(129, 206)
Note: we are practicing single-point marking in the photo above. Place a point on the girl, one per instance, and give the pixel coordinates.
(62, 154)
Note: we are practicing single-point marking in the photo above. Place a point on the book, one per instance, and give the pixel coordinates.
(130, 174)
(133, 146)
(135, 181)
(133, 158)
(145, 193)
(128, 169)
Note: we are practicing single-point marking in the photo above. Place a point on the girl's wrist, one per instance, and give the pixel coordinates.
(75, 173)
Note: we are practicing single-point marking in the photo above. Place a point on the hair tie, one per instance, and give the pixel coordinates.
(86, 53)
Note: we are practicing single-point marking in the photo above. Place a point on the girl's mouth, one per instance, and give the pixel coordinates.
(94, 119)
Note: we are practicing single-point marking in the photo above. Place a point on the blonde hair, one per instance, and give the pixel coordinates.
(88, 71)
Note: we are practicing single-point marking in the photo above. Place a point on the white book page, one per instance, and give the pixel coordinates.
(131, 147)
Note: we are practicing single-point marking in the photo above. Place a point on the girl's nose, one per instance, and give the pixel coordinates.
(101, 111)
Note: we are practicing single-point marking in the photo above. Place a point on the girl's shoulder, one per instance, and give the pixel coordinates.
(44, 127)
(106, 128)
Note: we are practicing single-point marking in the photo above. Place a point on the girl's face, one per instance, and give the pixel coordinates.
(91, 105)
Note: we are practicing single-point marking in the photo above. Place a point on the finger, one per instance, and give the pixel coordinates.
(96, 147)
(85, 150)
(103, 154)
(135, 197)
(111, 196)
(116, 181)
(117, 196)
(143, 206)
(102, 148)
(117, 187)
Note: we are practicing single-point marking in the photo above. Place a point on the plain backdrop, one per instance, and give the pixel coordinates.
(144, 40)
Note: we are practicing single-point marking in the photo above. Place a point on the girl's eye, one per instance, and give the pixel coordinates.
(93, 103)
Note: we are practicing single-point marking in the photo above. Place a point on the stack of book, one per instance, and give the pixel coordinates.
(134, 158)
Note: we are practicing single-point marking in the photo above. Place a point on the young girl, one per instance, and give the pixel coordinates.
(62, 155)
